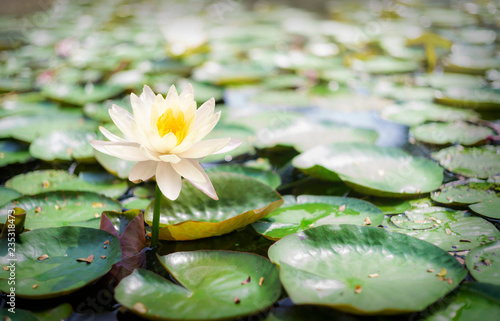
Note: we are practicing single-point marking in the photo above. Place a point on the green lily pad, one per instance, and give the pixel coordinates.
(20, 315)
(242, 201)
(12, 152)
(403, 92)
(448, 229)
(60, 312)
(267, 177)
(459, 63)
(80, 95)
(483, 263)
(55, 209)
(488, 208)
(385, 65)
(477, 99)
(64, 145)
(458, 132)
(447, 80)
(28, 127)
(418, 112)
(213, 285)
(464, 192)
(22, 105)
(390, 205)
(61, 273)
(7, 195)
(306, 211)
(480, 162)
(58, 180)
(363, 270)
(372, 170)
(136, 203)
(304, 135)
(474, 301)
(281, 99)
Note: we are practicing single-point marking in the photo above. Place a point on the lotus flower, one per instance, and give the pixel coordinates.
(164, 135)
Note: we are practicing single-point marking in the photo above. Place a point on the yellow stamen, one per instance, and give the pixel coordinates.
(168, 123)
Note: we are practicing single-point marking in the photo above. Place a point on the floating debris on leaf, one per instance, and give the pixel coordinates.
(88, 259)
(140, 308)
(43, 257)
(246, 281)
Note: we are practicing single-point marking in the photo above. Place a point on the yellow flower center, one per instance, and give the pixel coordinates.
(168, 123)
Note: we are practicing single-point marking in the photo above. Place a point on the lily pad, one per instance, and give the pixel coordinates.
(477, 99)
(363, 270)
(488, 208)
(268, 177)
(447, 80)
(372, 170)
(12, 152)
(64, 145)
(213, 285)
(480, 162)
(61, 272)
(418, 112)
(385, 65)
(304, 135)
(22, 105)
(36, 182)
(451, 133)
(464, 192)
(390, 205)
(80, 95)
(474, 301)
(306, 211)
(242, 201)
(483, 263)
(448, 229)
(28, 127)
(7, 195)
(55, 209)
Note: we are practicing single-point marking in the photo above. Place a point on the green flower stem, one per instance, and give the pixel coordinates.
(156, 217)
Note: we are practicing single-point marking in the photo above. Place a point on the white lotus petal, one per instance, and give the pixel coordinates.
(187, 168)
(205, 130)
(147, 96)
(172, 99)
(187, 91)
(141, 113)
(127, 151)
(163, 144)
(142, 171)
(206, 187)
(170, 158)
(157, 109)
(233, 143)
(124, 121)
(204, 112)
(168, 181)
(127, 125)
(112, 137)
(150, 154)
(204, 148)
